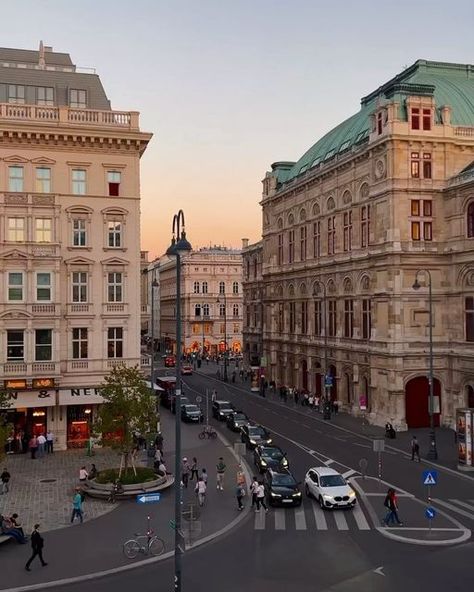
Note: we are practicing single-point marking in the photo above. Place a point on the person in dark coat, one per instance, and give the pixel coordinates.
(37, 544)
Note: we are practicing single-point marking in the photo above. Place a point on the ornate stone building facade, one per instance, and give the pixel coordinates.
(345, 231)
(252, 303)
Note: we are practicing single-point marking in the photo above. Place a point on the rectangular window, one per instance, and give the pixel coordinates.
(317, 240)
(114, 232)
(115, 287)
(15, 345)
(303, 242)
(426, 119)
(115, 342)
(292, 327)
(318, 326)
(415, 207)
(415, 165)
(79, 233)
(281, 318)
(113, 180)
(332, 314)
(426, 165)
(348, 318)
(222, 328)
(415, 231)
(347, 231)
(15, 286)
(422, 228)
(16, 94)
(427, 231)
(291, 246)
(280, 250)
(427, 207)
(16, 229)
(415, 119)
(236, 327)
(80, 343)
(78, 178)
(43, 230)
(469, 312)
(45, 96)
(43, 180)
(43, 287)
(79, 286)
(366, 318)
(365, 226)
(331, 235)
(78, 99)
(379, 122)
(43, 345)
(304, 317)
(15, 178)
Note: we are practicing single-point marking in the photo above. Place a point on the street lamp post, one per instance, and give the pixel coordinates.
(325, 390)
(154, 284)
(179, 246)
(224, 298)
(432, 450)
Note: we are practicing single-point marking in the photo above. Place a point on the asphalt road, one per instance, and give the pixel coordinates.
(300, 550)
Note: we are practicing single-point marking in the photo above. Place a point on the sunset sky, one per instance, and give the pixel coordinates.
(228, 87)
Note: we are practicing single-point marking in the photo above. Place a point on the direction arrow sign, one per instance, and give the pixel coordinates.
(430, 513)
(430, 477)
(148, 498)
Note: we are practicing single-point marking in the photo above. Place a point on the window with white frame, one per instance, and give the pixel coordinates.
(77, 98)
(43, 180)
(114, 233)
(43, 345)
(15, 345)
(43, 230)
(115, 342)
(15, 178)
(78, 180)
(204, 287)
(421, 219)
(80, 343)
(196, 288)
(43, 286)
(16, 229)
(206, 310)
(79, 232)
(113, 180)
(79, 286)
(115, 286)
(235, 310)
(197, 310)
(221, 287)
(15, 286)
(44, 96)
(235, 288)
(222, 310)
(16, 94)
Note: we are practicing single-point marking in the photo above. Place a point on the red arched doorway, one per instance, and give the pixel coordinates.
(417, 402)
(304, 375)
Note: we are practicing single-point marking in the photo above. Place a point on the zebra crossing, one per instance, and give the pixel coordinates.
(463, 507)
(309, 516)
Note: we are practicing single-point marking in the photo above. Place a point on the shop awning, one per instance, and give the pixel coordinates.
(43, 398)
(80, 396)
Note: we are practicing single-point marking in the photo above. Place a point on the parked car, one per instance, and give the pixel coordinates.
(237, 420)
(186, 370)
(170, 362)
(184, 401)
(191, 413)
(269, 457)
(329, 488)
(281, 488)
(254, 435)
(221, 409)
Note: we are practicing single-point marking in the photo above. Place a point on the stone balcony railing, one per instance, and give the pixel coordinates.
(83, 365)
(23, 369)
(69, 117)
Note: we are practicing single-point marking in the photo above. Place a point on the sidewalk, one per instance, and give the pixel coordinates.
(96, 545)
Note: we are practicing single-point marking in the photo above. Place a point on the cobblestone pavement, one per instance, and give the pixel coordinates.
(41, 490)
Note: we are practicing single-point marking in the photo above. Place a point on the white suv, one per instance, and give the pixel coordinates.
(329, 488)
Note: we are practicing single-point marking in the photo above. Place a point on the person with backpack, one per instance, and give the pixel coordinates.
(200, 490)
(391, 503)
(415, 448)
(239, 493)
(220, 469)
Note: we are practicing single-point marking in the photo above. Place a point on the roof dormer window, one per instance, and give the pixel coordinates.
(78, 99)
(420, 119)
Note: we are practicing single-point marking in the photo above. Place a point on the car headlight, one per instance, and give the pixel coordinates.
(269, 440)
(297, 494)
(284, 462)
(352, 493)
(275, 494)
(253, 442)
(221, 413)
(326, 496)
(263, 463)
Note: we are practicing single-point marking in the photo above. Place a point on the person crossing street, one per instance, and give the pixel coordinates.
(37, 544)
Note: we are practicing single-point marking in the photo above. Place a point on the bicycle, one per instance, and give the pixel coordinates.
(208, 433)
(117, 489)
(148, 544)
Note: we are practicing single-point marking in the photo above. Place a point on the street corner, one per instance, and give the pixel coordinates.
(422, 523)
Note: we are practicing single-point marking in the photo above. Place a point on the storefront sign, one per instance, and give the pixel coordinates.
(43, 383)
(80, 396)
(41, 398)
(15, 384)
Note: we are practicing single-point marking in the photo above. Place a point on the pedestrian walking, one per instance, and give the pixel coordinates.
(37, 544)
(261, 497)
(159, 443)
(185, 470)
(296, 396)
(335, 407)
(415, 449)
(77, 506)
(311, 401)
(214, 395)
(194, 469)
(33, 446)
(49, 442)
(5, 479)
(41, 445)
(254, 490)
(220, 468)
(391, 503)
(200, 490)
(317, 402)
(204, 475)
(83, 474)
(239, 493)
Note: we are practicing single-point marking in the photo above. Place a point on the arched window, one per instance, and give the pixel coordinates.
(235, 288)
(197, 310)
(196, 287)
(204, 287)
(235, 310)
(221, 287)
(470, 220)
(205, 310)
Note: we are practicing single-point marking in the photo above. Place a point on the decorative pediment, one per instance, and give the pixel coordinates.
(14, 254)
(79, 209)
(114, 210)
(15, 314)
(15, 159)
(79, 261)
(115, 261)
(43, 160)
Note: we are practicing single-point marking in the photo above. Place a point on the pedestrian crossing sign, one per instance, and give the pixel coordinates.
(430, 477)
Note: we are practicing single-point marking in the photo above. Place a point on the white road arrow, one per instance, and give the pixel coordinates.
(379, 571)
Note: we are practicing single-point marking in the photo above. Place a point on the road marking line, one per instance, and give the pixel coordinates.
(340, 520)
(330, 461)
(319, 517)
(455, 508)
(348, 473)
(300, 518)
(423, 528)
(384, 494)
(360, 518)
(260, 520)
(463, 504)
(280, 519)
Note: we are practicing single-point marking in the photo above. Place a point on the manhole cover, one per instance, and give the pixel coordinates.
(47, 480)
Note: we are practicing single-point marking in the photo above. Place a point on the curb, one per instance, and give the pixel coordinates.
(144, 562)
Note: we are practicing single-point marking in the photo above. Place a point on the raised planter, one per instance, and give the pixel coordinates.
(102, 490)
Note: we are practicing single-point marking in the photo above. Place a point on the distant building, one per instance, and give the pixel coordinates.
(253, 298)
(144, 293)
(211, 301)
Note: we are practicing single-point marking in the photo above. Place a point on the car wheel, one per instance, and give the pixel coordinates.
(321, 503)
(307, 491)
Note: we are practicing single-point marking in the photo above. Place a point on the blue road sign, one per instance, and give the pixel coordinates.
(148, 498)
(430, 477)
(430, 513)
(328, 380)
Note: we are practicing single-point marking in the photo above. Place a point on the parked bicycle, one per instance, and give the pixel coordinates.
(117, 489)
(148, 544)
(208, 432)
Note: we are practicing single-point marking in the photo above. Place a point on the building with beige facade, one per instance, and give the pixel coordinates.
(346, 228)
(211, 301)
(69, 242)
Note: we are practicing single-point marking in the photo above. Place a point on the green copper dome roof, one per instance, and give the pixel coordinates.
(450, 84)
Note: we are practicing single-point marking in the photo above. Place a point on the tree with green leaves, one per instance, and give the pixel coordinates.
(5, 427)
(128, 408)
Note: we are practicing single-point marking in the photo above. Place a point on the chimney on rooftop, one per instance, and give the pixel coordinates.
(41, 60)
(245, 243)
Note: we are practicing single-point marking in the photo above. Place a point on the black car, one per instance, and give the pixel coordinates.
(254, 435)
(191, 413)
(269, 457)
(281, 488)
(237, 420)
(221, 409)
(184, 401)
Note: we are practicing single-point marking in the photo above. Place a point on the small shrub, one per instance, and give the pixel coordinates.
(128, 478)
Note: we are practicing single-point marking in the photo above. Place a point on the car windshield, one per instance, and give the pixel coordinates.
(283, 480)
(238, 416)
(256, 431)
(225, 406)
(272, 453)
(332, 481)
(192, 408)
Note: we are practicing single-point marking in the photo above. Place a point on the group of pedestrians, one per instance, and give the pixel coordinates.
(41, 445)
(257, 491)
